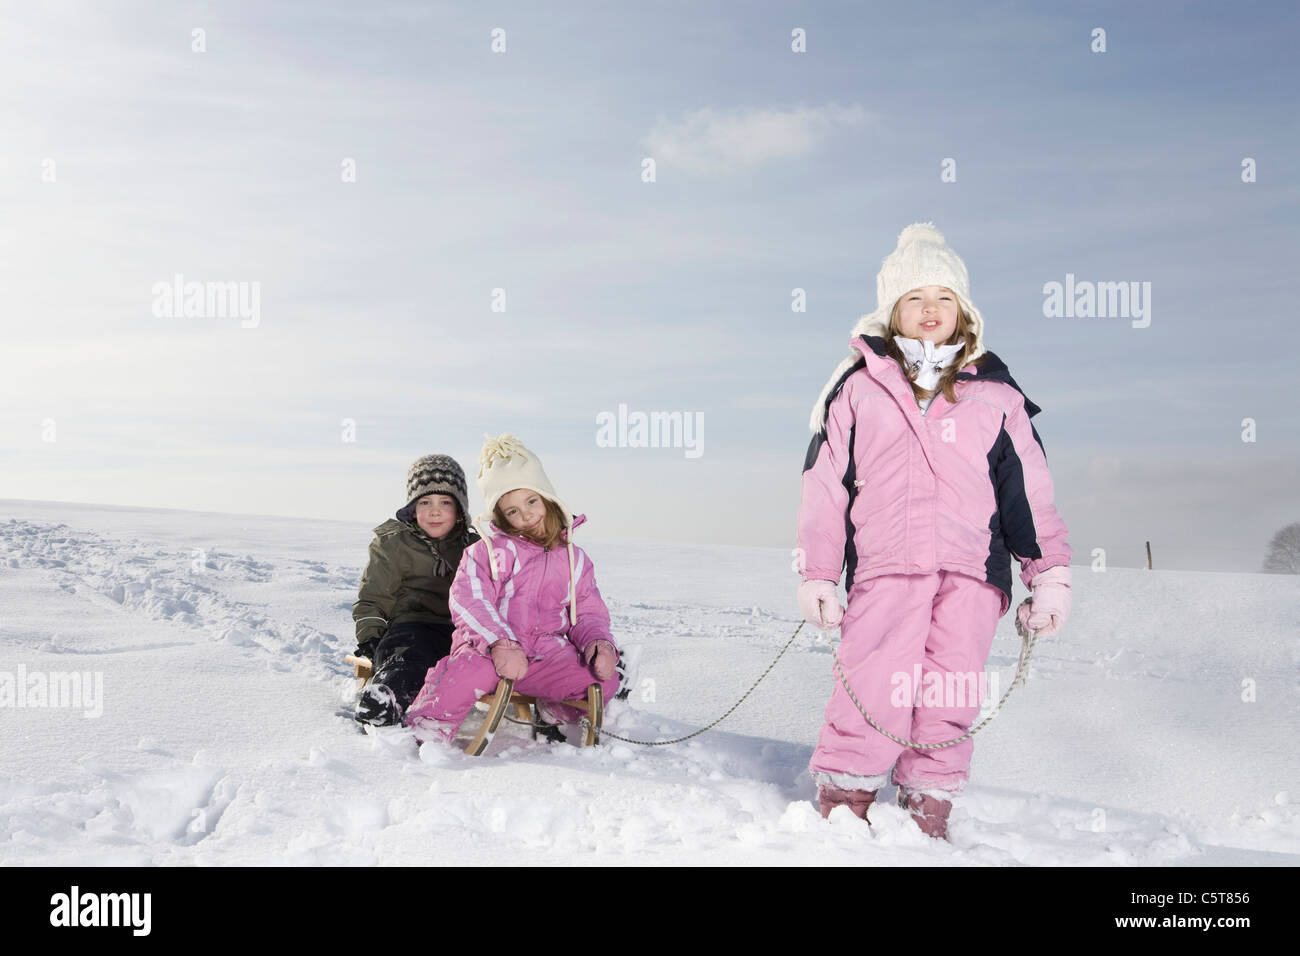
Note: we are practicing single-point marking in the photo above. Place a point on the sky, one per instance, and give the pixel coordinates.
(446, 239)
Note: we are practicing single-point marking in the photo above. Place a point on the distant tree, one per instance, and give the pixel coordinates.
(1284, 551)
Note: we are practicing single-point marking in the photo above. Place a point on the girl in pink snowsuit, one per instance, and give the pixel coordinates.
(524, 602)
(924, 477)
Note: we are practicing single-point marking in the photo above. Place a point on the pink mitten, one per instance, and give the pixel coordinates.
(509, 659)
(1049, 605)
(601, 656)
(820, 604)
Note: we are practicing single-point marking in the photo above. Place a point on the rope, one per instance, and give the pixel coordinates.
(1027, 641)
(586, 722)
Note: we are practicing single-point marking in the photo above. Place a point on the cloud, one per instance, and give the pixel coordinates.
(712, 141)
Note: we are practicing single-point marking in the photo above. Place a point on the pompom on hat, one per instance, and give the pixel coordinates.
(923, 257)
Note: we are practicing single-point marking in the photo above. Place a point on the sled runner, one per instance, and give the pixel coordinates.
(504, 698)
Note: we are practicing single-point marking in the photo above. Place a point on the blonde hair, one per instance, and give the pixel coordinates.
(948, 380)
(552, 524)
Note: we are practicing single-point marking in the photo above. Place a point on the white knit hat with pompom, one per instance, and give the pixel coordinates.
(923, 257)
(504, 465)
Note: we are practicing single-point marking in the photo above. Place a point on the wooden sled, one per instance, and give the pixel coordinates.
(361, 668)
(504, 698)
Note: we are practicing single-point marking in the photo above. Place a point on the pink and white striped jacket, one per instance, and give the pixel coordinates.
(889, 489)
(528, 602)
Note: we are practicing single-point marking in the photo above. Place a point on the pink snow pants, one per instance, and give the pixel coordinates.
(453, 685)
(896, 627)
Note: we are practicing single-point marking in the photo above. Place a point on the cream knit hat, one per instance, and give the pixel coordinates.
(923, 257)
(504, 465)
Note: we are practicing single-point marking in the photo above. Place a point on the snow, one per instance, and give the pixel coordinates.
(1158, 729)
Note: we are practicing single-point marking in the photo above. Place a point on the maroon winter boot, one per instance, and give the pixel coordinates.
(929, 812)
(829, 797)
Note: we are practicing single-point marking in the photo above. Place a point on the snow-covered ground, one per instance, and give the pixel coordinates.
(1160, 728)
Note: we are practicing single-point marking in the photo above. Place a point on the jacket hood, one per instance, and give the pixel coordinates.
(405, 518)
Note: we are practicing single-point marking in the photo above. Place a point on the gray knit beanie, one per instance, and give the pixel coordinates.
(437, 475)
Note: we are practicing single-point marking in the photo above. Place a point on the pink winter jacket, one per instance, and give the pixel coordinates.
(529, 601)
(888, 489)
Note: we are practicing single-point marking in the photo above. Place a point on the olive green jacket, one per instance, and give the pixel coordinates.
(408, 577)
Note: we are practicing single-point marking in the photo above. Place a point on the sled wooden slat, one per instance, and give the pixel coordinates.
(361, 667)
(504, 698)
(497, 703)
(595, 715)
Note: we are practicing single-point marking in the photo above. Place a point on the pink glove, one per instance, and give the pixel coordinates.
(820, 604)
(1049, 606)
(509, 659)
(601, 656)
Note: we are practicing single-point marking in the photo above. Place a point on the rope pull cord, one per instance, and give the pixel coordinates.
(1027, 641)
(586, 722)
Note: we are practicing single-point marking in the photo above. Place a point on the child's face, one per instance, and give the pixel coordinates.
(525, 510)
(436, 514)
(928, 313)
